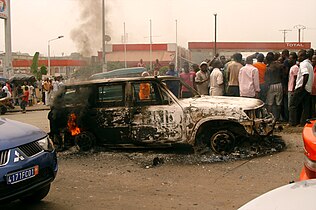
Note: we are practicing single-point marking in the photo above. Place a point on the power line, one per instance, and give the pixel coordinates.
(285, 31)
(299, 28)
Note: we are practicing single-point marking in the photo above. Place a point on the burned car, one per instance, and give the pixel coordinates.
(121, 111)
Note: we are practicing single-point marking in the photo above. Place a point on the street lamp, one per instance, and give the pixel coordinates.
(59, 37)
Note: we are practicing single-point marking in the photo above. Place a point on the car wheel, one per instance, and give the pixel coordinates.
(3, 109)
(222, 141)
(36, 196)
(85, 141)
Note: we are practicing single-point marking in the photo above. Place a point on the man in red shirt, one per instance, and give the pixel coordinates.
(25, 99)
(261, 66)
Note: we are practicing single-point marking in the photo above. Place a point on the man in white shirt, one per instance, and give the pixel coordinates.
(249, 80)
(302, 91)
(216, 79)
(202, 79)
(6, 91)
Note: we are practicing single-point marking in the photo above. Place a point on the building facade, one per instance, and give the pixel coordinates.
(206, 50)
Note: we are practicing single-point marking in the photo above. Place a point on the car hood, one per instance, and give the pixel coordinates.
(13, 133)
(224, 102)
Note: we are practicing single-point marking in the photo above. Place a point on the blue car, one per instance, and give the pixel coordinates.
(28, 162)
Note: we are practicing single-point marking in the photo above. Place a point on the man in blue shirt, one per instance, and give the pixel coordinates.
(173, 85)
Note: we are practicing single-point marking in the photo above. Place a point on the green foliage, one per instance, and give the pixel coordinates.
(43, 70)
(86, 71)
(163, 70)
(34, 67)
(115, 65)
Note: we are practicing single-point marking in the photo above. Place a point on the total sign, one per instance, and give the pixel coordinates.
(298, 45)
(4, 9)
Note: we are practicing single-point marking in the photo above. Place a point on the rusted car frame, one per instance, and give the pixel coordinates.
(110, 111)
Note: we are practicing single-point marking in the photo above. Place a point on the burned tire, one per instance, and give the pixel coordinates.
(3, 109)
(85, 141)
(222, 141)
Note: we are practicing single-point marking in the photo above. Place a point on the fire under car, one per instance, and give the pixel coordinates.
(115, 111)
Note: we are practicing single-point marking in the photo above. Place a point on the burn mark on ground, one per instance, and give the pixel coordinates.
(184, 154)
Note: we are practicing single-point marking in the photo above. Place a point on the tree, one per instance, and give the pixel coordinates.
(43, 70)
(34, 67)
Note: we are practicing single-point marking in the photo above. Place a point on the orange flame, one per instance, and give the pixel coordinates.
(72, 125)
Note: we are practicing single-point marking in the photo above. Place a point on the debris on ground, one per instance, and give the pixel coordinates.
(149, 158)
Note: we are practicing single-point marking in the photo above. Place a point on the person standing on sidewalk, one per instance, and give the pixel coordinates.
(202, 79)
(233, 74)
(249, 80)
(216, 80)
(46, 89)
(292, 76)
(25, 99)
(273, 79)
(302, 90)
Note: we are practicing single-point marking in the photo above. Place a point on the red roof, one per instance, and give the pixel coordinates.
(250, 45)
(139, 47)
(28, 63)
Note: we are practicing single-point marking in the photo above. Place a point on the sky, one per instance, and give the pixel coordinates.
(34, 22)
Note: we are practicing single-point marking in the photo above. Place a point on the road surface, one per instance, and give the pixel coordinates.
(127, 179)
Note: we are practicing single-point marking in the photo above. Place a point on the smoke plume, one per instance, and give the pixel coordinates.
(88, 33)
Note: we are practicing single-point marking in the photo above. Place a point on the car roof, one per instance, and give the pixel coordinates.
(123, 72)
(121, 79)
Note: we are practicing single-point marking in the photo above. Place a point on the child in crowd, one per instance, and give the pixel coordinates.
(25, 99)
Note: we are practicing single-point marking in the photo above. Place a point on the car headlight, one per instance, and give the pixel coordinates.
(46, 143)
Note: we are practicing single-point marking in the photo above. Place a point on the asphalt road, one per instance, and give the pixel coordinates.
(127, 180)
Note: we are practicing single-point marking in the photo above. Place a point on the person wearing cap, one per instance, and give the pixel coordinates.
(216, 79)
(202, 79)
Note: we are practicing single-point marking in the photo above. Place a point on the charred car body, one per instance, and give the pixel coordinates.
(114, 111)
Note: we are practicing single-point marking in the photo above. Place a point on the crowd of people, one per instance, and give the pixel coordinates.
(285, 81)
(30, 93)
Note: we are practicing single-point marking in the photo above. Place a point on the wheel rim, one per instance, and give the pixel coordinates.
(223, 142)
(84, 141)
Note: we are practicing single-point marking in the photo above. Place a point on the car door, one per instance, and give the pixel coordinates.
(157, 118)
(111, 116)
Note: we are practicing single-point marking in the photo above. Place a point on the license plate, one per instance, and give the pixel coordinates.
(22, 175)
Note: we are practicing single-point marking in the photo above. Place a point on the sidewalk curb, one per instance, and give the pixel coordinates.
(27, 110)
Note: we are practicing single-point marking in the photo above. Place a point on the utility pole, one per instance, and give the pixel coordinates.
(6, 15)
(176, 61)
(284, 31)
(150, 46)
(215, 41)
(299, 28)
(125, 63)
(104, 63)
